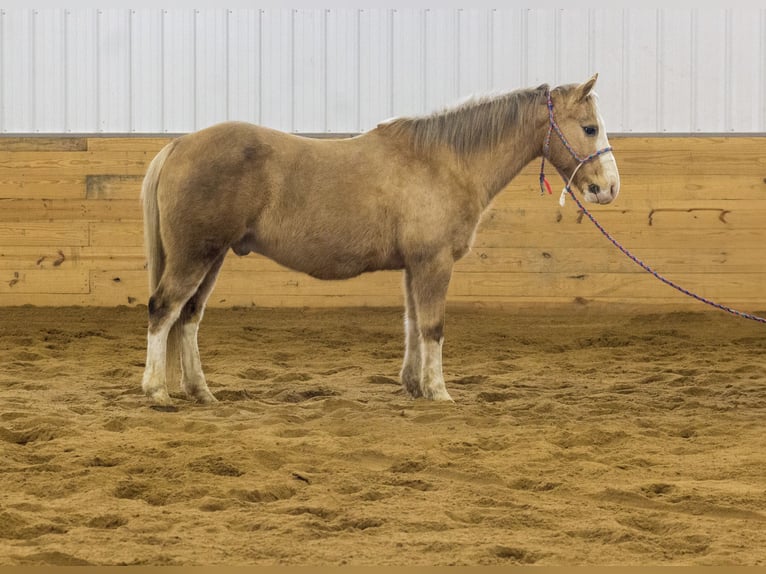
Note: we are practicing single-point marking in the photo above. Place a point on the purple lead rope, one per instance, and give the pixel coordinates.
(545, 186)
(648, 269)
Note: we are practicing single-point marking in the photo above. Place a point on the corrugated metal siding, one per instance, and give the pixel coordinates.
(344, 70)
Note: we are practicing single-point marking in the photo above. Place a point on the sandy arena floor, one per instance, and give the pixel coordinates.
(576, 438)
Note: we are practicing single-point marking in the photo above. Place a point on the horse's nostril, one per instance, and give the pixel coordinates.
(594, 189)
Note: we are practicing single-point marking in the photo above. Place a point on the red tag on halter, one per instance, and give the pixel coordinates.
(547, 186)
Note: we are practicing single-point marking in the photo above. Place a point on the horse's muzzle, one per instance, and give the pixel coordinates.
(596, 194)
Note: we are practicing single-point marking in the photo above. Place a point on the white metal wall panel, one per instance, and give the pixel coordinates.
(81, 65)
(543, 37)
(640, 103)
(343, 82)
(114, 85)
(474, 51)
(675, 80)
(575, 54)
(49, 54)
(709, 83)
(608, 58)
(277, 69)
(179, 82)
(18, 72)
(409, 67)
(376, 65)
(147, 70)
(441, 58)
(244, 78)
(746, 61)
(212, 67)
(508, 47)
(309, 71)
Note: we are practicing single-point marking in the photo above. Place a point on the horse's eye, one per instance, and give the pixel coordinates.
(590, 130)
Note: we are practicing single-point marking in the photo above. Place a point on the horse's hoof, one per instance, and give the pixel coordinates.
(414, 393)
(411, 385)
(206, 398)
(198, 395)
(438, 395)
(160, 398)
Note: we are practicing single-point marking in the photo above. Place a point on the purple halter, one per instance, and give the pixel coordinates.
(553, 126)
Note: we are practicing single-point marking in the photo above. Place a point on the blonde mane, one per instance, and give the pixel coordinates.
(473, 126)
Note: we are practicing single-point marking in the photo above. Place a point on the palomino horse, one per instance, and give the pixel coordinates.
(405, 195)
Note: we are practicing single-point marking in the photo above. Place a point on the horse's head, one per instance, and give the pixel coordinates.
(577, 145)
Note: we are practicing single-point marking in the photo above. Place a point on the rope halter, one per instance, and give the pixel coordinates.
(554, 126)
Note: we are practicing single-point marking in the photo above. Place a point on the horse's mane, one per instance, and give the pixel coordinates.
(472, 126)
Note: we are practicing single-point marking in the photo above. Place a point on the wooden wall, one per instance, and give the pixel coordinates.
(695, 208)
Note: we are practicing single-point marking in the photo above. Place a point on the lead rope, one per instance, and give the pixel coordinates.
(644, 266)
(545, 186)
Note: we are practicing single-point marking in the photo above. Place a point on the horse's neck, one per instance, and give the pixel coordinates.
(497, 167)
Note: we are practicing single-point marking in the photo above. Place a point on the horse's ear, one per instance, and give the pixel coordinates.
(584, 90)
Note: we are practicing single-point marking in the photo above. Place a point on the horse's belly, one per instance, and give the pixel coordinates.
(327, 262)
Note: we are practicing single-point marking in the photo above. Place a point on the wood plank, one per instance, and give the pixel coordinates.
(114, 187)
(585, 235)
(622, 143)
(145, 144)
(121, 233)
(614, 285)
(656, 186)
(69, 209)
(529, 259)
(500, 303)
(690, 157)
(527, 226)
(641, 241)
(133, 290)
(694, 160)
(692, 164)
(607, 259)
(686, 215)
(25, 257)
(101, 300)
(73, 164)
(638, 212)
(44, 233)
(723, 144)
(134, 284)
(42, 143)
(18, 186)
(574, 260)
(124, 285)
(44, 281)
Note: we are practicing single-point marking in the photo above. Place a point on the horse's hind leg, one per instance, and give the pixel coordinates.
(429, 282)
(193, 380)
(165, 306)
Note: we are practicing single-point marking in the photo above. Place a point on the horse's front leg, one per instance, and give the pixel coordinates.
(410, 373)
(429, 280)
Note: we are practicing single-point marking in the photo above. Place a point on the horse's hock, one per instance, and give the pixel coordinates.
(694, 208)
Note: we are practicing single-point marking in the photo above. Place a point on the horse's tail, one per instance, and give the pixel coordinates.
(155, 252)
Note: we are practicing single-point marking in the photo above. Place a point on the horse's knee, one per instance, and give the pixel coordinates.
(433, 332)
